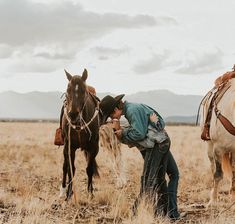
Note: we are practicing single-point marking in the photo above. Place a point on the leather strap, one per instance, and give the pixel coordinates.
(213, 103)
(225, 122)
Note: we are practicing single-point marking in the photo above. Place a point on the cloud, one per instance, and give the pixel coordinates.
(6, 51)
(59, 30)
(153, 64)
(199, 62)
(54, 52)
(166, 20)
(105, 53)
(35, 65)
(27, 60)
(25, 22)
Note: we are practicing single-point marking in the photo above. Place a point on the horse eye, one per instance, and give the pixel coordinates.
(68, 88)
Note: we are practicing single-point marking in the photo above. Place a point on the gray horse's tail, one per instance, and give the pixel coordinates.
(227, 165)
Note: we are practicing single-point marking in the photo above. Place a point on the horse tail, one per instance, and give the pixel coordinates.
(227, 165)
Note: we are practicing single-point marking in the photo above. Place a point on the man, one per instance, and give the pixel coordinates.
(146, 132)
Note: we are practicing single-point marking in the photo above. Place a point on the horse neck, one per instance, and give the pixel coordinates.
(89, 107)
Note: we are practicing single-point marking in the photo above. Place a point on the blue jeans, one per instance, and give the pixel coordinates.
(157, 162)
(173, 174)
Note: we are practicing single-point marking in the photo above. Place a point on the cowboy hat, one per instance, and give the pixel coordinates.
(108, 104)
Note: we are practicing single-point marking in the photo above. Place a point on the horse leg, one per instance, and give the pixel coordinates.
(217, 177)
(71, 174)
(232, 190)
(65, 169)
(212, 163)
(90, 172)
(210, 154)
(92, 169)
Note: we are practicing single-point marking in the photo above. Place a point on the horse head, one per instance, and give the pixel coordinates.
(76, 96)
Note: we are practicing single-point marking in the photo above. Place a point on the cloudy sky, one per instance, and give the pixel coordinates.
(126, 45)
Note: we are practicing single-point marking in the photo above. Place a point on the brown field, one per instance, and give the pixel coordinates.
(31, 171)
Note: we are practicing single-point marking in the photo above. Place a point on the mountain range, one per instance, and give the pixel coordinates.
(47, 105)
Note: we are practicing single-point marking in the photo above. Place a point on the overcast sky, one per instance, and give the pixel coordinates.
(126, 45)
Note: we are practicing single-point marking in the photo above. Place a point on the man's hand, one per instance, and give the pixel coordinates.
(118, 133)
(116, 124)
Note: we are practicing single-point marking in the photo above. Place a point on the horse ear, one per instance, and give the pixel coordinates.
(84, 75)
(69, 77)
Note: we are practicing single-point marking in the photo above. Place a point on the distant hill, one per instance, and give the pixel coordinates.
(181, 119)
(168, 103)
(47, 105)
(32, 105)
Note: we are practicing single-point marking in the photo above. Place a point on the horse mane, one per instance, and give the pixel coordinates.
(91, 89)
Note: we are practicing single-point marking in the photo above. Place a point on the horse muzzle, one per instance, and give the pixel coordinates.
(74, 117)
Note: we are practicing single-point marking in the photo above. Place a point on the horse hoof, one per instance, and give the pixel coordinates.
(90, 196)
(62, 191)
(69, 196)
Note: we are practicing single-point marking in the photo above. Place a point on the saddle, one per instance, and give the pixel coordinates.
(222, 84)
(224, 78)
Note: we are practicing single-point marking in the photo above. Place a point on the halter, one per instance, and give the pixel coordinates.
(85, 125)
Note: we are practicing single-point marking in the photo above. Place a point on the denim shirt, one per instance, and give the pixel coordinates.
(142, 132)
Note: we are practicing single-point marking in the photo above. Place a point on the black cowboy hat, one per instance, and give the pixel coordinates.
(108, 104)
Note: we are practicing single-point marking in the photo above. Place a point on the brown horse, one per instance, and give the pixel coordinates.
(80, 128)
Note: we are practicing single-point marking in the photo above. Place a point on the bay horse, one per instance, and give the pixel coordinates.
(80, 129)
(221, 139)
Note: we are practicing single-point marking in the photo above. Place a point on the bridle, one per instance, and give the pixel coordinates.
(84, 125)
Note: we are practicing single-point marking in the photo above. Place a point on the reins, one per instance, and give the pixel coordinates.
(70, 163)
(85, 127)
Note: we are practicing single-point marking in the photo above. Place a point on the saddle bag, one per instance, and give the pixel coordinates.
(59, 140)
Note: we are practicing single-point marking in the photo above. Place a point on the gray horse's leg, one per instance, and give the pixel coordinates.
(217, 176)
(232, 190)
(210, 154)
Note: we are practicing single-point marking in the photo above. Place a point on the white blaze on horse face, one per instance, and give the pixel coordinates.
(76, 89)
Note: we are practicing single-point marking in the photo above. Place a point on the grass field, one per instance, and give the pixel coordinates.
(31, 171)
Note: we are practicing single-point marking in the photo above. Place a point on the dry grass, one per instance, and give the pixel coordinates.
(31, 168)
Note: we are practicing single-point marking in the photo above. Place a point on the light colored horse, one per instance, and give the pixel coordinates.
(110, 143)
(221, 147)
